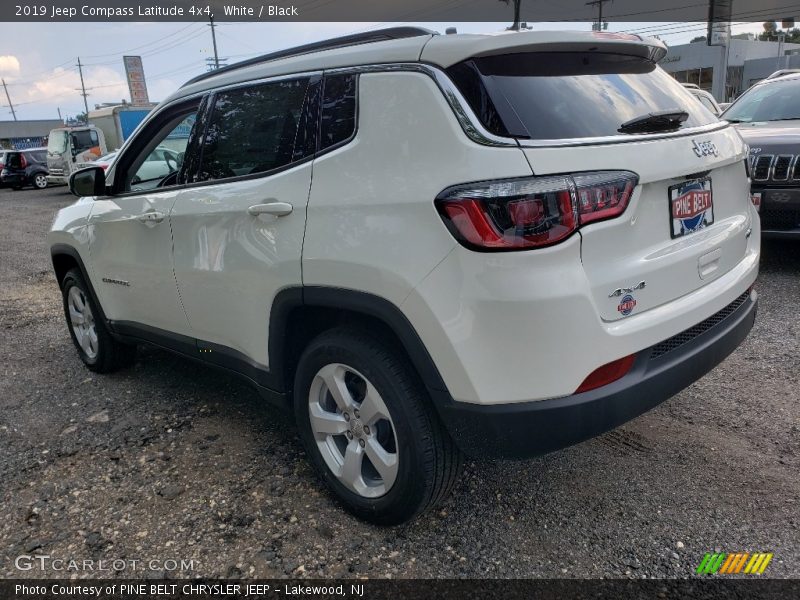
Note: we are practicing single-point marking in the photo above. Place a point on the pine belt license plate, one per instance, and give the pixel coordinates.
(691, 207)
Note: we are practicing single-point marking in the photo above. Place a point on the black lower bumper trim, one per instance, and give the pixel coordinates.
(528, 429)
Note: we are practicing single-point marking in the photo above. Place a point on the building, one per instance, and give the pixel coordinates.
(18, 135)
(699, 63)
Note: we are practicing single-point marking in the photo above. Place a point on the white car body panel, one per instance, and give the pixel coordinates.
(372, 226)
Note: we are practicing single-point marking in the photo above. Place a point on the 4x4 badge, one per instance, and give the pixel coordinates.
(619, 291)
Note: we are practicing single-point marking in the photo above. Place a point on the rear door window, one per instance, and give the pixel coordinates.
(252, 129)
(567, 95)
(338, 110)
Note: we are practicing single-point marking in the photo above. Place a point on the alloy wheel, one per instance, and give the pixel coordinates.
(82, 321)
(353, 430)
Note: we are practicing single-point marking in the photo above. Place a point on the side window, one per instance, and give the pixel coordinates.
(252, 129)
(157, 152)
(83, 140)
(338, 110)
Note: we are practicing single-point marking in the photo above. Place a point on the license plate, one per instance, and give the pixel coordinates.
(691, 207)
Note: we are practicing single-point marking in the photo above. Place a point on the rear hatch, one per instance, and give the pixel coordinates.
(590, 108)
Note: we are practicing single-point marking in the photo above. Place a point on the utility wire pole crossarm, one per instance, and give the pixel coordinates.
(599, 5)
(11, 106)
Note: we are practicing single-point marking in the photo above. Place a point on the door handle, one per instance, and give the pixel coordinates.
(151, 216)
(278, 209)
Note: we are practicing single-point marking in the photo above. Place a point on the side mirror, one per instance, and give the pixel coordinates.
(90, 181)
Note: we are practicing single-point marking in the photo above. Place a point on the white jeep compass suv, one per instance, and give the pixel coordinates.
(425, 246)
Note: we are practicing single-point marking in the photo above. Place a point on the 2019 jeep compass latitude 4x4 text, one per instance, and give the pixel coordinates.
(426, 246)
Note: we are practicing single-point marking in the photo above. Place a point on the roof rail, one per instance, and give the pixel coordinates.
(780, 72)
(693, 86)
(379, 35)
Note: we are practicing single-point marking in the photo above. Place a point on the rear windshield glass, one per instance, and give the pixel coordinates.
(564, 95)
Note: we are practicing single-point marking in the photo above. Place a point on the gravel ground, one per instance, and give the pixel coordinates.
(169, 460)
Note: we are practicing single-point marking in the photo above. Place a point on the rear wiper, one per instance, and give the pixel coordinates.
(664, 120)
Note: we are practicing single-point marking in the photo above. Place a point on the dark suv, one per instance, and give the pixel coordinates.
(768, 118)
(25, 167)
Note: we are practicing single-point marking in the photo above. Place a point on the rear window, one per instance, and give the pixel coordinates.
(565, 95)
(13, 160)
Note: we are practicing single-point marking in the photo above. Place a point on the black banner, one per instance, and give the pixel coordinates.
(744, 588)
(389, 10)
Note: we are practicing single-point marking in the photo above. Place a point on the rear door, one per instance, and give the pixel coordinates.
(687, 220)
(238, 227)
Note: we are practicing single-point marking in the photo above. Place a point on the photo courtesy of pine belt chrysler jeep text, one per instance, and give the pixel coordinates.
(425, 246)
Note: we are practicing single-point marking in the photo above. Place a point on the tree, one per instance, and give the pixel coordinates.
(771, 32)
(699, 38)
(82, 117)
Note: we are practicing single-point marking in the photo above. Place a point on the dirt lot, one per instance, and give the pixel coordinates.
(172, 461)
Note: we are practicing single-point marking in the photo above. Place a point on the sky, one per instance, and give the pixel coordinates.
(38, 60)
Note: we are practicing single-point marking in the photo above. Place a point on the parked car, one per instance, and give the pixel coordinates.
(105, 161)
(768, 118)
(159, 163)
(25, 167)
(705, 98)
(487, 260)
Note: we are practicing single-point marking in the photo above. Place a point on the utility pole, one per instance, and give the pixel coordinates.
(599, 4)
(83, 90)
(214, 39)
(11, 106)
(60, 118)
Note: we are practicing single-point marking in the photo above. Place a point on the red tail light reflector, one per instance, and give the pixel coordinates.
(606, 374)
(534, 212)
(23, 162)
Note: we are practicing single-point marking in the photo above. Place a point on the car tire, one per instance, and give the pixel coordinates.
(400, 467)
(98, 350)
(40, 181)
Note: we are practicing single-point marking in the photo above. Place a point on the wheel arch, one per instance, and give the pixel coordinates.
(66, 258)
(301, 313)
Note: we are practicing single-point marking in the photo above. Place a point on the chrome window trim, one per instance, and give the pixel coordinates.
(467, 119)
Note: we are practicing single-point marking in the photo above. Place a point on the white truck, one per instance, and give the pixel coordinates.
(72, 148)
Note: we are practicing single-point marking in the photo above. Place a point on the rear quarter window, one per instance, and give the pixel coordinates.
(569, 95)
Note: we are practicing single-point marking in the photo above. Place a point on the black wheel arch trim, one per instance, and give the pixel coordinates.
(67, 250)
(358, 302)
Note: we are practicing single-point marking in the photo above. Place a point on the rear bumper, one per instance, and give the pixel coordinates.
(525, 429)
(57, 180)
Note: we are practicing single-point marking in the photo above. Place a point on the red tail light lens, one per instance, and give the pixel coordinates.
(535, 212)
(607, 374)
(23, 162)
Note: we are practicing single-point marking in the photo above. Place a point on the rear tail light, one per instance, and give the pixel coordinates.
(607, 374)
(534, 212)
(23, 162)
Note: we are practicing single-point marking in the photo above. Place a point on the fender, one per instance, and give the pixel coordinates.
(358, 302)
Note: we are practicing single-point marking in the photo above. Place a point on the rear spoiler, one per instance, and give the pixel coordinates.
(446, 51)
